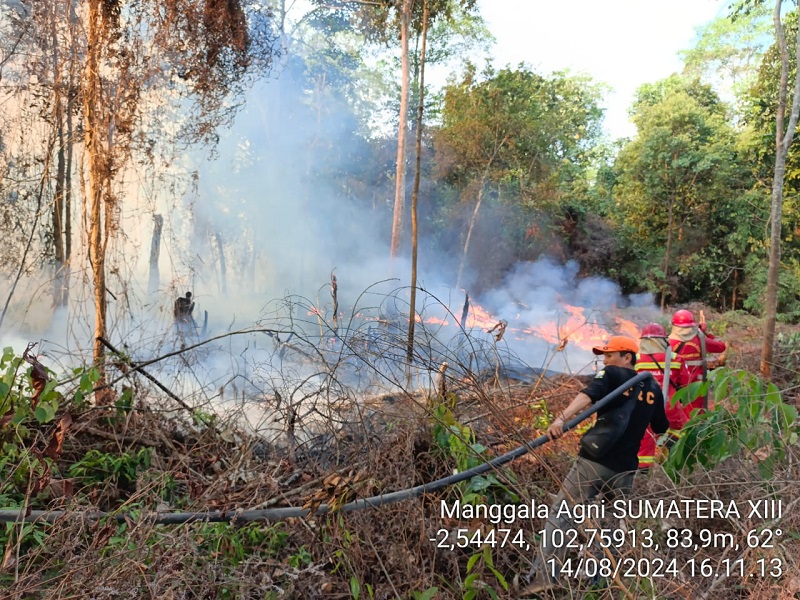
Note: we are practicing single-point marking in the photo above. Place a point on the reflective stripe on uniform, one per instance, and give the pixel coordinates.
(654, 366)
(675, 433)
(646, 460)
(693, 363)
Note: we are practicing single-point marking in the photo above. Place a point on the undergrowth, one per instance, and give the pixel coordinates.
(133, 462)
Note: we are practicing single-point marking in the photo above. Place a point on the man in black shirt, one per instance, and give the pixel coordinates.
(614, 470)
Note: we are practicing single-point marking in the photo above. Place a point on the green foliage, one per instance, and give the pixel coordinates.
(17, 392)
(477, 565)
(728, 49)
(457, 442)
(749, 418)
(428, 594)
(300, 558)
(29, 536)
(542, 416)
(119, 469)
(788, 286)
(233, 545)
(682, 186)
(521, 142)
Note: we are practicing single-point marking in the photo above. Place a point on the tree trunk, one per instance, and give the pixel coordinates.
(668, 250)
(155, 251)
(399, 190)
(415, 194)
(474, 217)
(471, 226)
(59, 215)
(223, 270)
(783, 141)
(98, 173)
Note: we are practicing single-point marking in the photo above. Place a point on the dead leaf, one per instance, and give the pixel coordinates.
(38, 374)
(44, 479)
(761, 454)
(6, 418)
(61, 488)
(56, 443)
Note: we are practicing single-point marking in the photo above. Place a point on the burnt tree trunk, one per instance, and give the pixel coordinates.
(155, 251)
(223, 269)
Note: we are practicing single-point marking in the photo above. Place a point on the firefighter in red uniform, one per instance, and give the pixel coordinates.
(653, 345)
(686, 342)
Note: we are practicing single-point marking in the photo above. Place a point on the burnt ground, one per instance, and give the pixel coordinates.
(135, 462)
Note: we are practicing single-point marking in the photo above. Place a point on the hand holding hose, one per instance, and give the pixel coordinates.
(556, 429)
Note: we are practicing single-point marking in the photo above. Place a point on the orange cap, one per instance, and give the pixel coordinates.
(617, 343)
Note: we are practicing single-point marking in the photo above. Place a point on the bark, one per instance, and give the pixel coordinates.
(223, 269)
(783, 140)
(399, 190)
(415, 194)
(60, 210)
(98, 173)
(155, 251)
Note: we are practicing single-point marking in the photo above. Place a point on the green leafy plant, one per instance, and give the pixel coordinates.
(300, 558)
(120, 469)
(22, 396)
(477, 565)
(458, 442)
(428, 594)
(542, 417)
(234, 544)
(749, 416)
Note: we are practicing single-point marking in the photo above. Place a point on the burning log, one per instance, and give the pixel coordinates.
(465, 310)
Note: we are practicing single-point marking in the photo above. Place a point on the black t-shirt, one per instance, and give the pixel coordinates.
(649, 410)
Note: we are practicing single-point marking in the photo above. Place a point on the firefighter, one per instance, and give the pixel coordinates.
(182, 311)
(653, 346)
(610, 473)
(690, 340)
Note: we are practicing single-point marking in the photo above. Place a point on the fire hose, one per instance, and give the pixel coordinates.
(277, 514)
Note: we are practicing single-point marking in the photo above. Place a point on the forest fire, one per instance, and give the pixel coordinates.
(571, 325)
(581, 330)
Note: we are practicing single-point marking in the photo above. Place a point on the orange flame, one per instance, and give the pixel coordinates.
(573, 326)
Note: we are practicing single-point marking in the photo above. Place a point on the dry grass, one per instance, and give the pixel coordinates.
(375, 444)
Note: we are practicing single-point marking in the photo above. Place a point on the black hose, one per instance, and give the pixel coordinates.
(277, 514)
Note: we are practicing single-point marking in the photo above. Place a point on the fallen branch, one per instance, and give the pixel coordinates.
(140, 369)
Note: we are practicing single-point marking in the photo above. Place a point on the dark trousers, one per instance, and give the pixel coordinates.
(584, 482)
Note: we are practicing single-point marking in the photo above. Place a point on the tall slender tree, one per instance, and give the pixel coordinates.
(196, 50)
(415, 194)
(784, 135)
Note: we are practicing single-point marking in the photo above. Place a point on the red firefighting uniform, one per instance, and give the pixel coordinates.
(676, 415)
(691, 354)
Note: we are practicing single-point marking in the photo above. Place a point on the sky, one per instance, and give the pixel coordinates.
(623, 43)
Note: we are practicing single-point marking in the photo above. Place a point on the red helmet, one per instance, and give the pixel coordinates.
(684, 318)
(653, 330)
